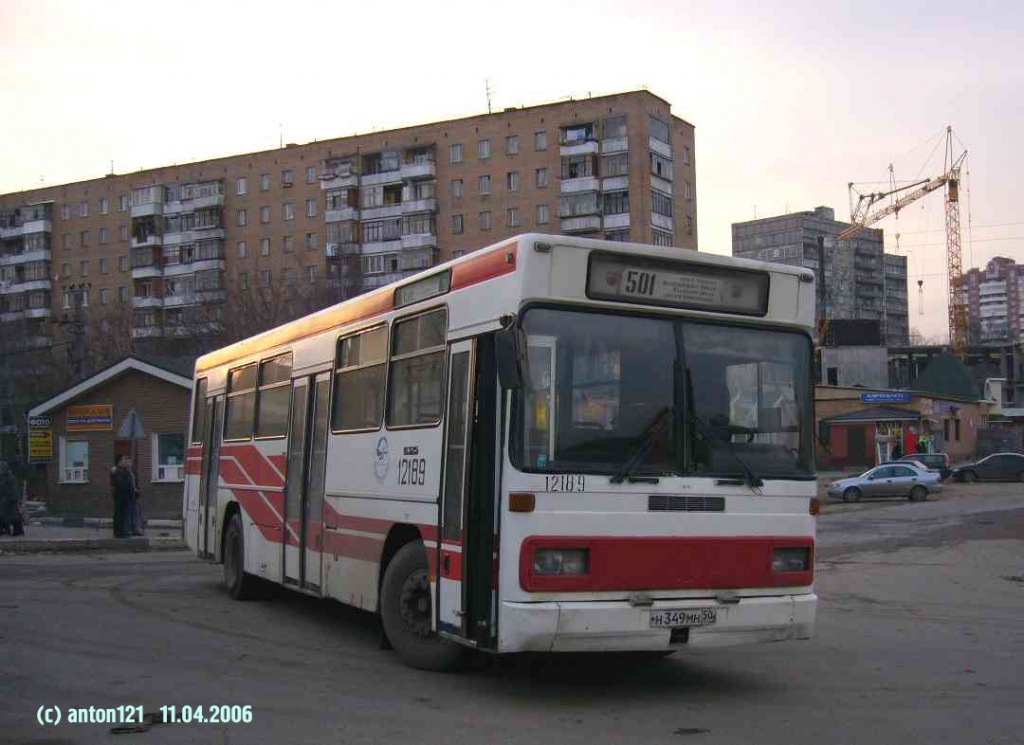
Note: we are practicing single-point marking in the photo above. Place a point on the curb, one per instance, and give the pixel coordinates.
(69, 545)
(100, 522)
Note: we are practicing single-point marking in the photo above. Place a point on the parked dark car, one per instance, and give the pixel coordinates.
(995, 467)
(934, 461)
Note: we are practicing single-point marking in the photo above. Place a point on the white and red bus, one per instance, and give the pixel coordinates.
(550, 444)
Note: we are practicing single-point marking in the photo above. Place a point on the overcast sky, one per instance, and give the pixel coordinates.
(791, 100)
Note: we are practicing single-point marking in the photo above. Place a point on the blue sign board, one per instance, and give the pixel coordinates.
(890, 397)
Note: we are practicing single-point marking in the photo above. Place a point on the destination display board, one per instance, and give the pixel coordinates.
(677, 284)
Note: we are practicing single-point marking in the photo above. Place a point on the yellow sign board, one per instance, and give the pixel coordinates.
(40, 445)
(91, 418)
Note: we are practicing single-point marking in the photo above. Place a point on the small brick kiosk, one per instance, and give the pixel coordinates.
(83, 428)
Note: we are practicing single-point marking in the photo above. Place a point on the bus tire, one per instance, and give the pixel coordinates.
(406, 611)
(240, 585)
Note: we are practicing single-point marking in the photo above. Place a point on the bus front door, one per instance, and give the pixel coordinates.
(209, 478)
(304, 492)
(466, 549)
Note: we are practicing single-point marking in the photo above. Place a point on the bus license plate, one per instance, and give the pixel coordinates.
(683, 617)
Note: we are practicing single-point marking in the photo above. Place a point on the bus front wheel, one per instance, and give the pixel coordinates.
(406, 611)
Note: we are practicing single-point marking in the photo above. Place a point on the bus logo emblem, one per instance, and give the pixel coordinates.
(381, 460)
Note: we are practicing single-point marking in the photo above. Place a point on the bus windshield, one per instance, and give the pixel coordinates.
(662, 396)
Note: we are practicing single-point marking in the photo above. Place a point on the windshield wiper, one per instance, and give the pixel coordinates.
(751, 479)
(641, 444)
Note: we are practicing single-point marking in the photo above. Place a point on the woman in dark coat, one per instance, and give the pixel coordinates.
(10, 511)
(122, 484)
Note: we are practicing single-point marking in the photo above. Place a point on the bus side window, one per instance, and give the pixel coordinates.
(274, 396)
(241, 403)
(417, 370)
(199, 422)
(359, 381)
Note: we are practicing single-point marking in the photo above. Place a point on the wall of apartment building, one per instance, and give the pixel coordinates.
(995, 302)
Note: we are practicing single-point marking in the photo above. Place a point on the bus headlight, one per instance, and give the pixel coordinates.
(791, 559)
(549, 561)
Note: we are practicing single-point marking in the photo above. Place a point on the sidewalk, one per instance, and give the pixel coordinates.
(52, 534)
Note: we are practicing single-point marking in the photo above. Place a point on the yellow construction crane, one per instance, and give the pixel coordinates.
(862, 216)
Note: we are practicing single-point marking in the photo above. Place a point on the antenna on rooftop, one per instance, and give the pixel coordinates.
(487, 88)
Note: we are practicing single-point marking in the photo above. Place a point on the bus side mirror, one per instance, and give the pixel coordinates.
(510, 354)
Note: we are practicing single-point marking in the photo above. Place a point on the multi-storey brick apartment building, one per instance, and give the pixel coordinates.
(995, 302)
(173, 252)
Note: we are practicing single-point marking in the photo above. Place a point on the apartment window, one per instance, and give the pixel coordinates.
(540, 178)
(65, 212)
(661, 204)
(265, 278)
(689, 225)
(288, 244)
(264, 247)
(264, 182)
(265, 215)
(687, 190)
(311, 241)
(74, 461)
(290, 278)
(512, 180)
(416, 382)
(483, 185)
(104, 237)
(287, 177)
(382, 230)
(455, 153)
(512, 145)
(85, 268)
(577, 166)
(122, 203)
(661, 166)
(83, 209)
(614, 126)
(659, 129)
(65, 270)
(83, 238)
(243, 249)
(243, 280)
(122, 232)
(617, 236)
(122, 263)
(311, 274)
(483, 149)
(380, 263)
(513, 217)
(241, 218)
(458, 226)
(484, 220)
(289, 210)
(310, 174)
(615, 165)
(359, 381)
(661, 238)
(457, 188)
(540, 140)
(122, 294)
(616, 203)
(956, 429)
(241, 186)
(103, 296)
(686, 155)
(311, 207)
(103, 266)
(104, 205)
(542, 214)
(577, 133)
(65, 241)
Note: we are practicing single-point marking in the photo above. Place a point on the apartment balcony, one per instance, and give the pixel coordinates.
(385, 177)
(420, 170)
(200, 265)
(339, 250)
(342, 215)
(330, 181)
(38, 313)
(576, 185)
(373, 281)
(661, 148)
(147, 209)
(615, 183)
(147, 271)
(612, 222)
(12, 287)
(150, 301)
(11, 316)
(26, 228)
(379, 213)
(868, 291)
(579, 148)
(614, 145)
(382, 247)
(662, 222)
(658, 183)
(580, 224)
(147, 332)
(205, 233)
(417, 261)
(42, 254)
(150, 241)
(197, 203)
(418, 240)
(419, 205)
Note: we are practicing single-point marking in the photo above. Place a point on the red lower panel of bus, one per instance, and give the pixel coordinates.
(656, 563)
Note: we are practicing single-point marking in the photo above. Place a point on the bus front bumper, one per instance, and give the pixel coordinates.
(617, 626)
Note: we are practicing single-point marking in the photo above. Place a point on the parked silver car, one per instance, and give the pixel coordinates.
(889, 480)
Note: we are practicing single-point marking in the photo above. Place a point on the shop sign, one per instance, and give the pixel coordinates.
(91, 418)
(886, 397)
(40, 445)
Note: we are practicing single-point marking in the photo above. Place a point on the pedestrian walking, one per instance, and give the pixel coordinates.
(11, 522)
(122, 482)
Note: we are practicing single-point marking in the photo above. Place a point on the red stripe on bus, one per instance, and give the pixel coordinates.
(256, 465)
(260, 513)
(361, 547)
(280, 462)
(335, 519)
(193, 467)
(484, 267)
(654, 563)
(194, 451)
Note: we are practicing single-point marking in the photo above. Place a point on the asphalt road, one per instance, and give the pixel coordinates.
(920, 639)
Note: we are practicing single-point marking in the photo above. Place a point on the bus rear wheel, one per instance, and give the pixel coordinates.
(406, 612)
(240, 585)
